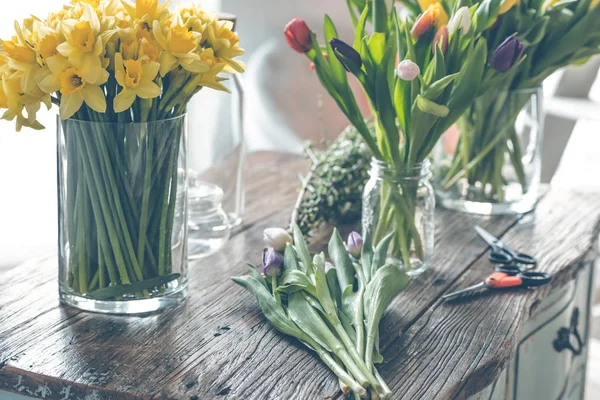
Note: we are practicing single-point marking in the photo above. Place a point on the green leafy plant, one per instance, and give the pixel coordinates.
(332, 308)
(332, 190)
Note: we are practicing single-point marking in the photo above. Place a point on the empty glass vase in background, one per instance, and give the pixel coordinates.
(216, 166)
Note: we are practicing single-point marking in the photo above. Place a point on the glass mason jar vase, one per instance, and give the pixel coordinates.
(490, 162)
(401, 200)
(122, 195)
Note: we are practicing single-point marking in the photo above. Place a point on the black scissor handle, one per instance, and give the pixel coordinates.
(523, 258)
(498, 256)
(531, 279)
(510, 269)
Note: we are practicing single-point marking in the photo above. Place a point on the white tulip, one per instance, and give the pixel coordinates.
(276, 238)
(407, 70)
(462, 20)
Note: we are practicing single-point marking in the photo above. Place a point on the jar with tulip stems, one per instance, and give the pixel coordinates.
(490, 161)
(401, 200)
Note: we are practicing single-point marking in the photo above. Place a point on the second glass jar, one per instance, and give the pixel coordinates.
(401, 200)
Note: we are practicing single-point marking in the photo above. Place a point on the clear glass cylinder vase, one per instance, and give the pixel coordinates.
(490, 161)
(122, 195)
(398, 211)
(216, 155)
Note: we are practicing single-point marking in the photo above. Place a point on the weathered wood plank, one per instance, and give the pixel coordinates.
(457, 349)
(216, 345)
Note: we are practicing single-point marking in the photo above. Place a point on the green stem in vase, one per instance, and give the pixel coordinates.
(145, 198)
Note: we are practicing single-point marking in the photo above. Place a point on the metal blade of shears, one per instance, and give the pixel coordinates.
(488, 237)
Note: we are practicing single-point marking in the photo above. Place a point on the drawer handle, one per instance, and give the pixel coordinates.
(563, 340)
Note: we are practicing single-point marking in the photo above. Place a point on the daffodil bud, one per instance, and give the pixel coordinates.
(271, 262)
(461, 20)
(507, 54)
(276, 238)
(298, 35)
(347, 55)
(441, 37)
(355, 244)
(407, 70)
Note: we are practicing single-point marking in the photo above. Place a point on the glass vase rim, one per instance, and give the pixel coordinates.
(136, 123)
(524, 90)
(418, 170)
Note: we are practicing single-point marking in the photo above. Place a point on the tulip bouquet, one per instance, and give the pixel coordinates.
(121, 75)
(333, 308)
(442, 60)
(528, 40)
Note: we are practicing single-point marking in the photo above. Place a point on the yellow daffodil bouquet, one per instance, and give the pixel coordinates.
(121, 75)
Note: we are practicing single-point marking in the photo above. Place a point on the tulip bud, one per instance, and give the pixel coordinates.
(507, 54)
(328, 266)
(407, 70)
(276, 238)
(507, 5)
(272, 262)
(442, 37)
(355, 244)
(298, 35)
(347, 55)
(461, 20)
(423, 23)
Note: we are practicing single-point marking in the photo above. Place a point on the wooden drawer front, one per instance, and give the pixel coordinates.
(546, 367)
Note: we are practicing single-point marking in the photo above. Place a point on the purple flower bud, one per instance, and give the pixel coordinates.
(355, 244)
(347, 55)
(272, 261)
(328, 266)
(507, 54)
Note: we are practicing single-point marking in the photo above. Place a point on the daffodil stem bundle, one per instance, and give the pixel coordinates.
(332, 307)
(121, 183)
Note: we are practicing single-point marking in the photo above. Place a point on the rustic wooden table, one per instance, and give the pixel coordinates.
(217, 345)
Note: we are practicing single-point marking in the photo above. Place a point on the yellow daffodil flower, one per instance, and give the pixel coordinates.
(178, 47)
(16, 102)
(84, 46)
(136, 79)
(149, 10)
(507, 5)
(225, 44)
(425, 4)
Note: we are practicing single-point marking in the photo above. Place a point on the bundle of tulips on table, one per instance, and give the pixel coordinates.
(419, 76)
(121, 75)
(332, 308)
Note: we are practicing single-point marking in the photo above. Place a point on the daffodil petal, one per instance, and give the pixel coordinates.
(123, 100)
(148, 90)
(57, 64)
(94, 98)
(70, 104)
(167, 63)
(91, 68)
(150, 70)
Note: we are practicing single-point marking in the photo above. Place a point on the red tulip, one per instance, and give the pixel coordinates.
(441, 35)
(298, 35)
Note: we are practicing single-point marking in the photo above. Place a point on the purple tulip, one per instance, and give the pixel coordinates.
(272, 262)
(347, 55)
(355, 244)
(507, 54)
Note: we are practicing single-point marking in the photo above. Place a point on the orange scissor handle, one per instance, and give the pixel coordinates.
(500, 280)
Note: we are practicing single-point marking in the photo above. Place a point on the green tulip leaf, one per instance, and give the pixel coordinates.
(302, 250)
(340, 258)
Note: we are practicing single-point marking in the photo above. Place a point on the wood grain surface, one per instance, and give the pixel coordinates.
(217, 345)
